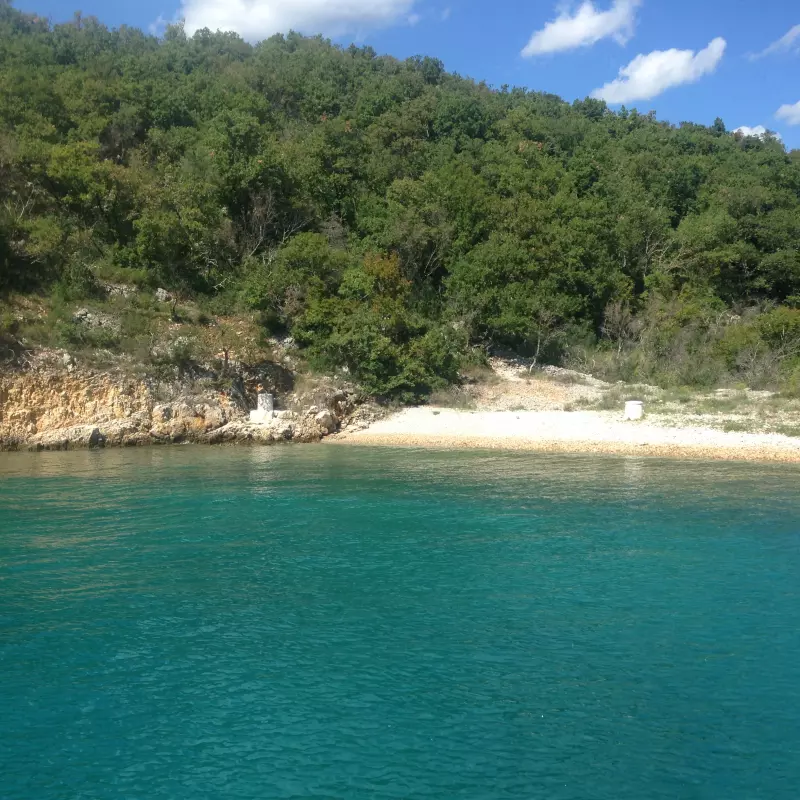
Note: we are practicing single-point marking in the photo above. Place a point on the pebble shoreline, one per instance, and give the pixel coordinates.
(565, 432)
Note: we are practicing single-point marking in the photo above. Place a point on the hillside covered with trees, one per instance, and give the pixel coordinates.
(394, 219)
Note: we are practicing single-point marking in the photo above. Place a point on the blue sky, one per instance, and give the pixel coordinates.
(685, 59)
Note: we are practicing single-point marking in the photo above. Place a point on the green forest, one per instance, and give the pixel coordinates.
(394, 219)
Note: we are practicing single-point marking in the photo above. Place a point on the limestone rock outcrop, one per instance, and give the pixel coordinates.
(55, 403)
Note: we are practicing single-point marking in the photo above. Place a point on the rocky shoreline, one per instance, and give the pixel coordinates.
(50, 401)
(53, 403)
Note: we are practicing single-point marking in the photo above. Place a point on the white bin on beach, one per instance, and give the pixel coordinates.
(634, 409)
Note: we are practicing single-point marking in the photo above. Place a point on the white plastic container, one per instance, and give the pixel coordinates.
(634, 409)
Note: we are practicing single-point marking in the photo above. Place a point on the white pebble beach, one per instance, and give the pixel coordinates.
(568, 431)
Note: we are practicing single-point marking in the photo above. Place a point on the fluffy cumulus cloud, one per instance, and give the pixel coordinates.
(258, 19)
(758, 131)
(586, 26)
(789, 43)
(790, 114)
(647, 76)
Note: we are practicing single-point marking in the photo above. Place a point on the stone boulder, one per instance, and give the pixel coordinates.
(95, 319)
(326, 421)
(74, 438)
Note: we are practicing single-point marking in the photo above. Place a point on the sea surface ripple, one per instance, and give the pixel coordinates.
(393, 623)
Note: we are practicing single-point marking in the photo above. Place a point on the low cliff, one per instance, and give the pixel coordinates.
(52, 402)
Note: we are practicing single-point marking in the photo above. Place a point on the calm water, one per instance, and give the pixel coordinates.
(323, 622)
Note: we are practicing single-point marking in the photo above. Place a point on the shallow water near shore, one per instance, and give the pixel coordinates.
(330, 622)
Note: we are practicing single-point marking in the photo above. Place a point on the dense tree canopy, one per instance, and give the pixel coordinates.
(386, 213)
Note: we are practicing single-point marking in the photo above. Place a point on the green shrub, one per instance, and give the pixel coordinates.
(71, 334)
(9, 324)
(283, 284)
(78, 282)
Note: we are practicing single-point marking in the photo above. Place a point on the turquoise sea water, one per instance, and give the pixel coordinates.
(355, 623)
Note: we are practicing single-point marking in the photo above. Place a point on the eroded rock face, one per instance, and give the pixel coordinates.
(326, 421)
(57, 404)
(58, 396)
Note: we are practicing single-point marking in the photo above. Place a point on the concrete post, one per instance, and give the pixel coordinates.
(265, 402)
(265, 407)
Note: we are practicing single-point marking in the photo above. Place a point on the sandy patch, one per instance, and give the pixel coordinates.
(563, 431)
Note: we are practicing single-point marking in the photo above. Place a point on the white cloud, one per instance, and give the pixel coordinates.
(789, 114)
(157, 27)
(258, 19)
(583, 28)
(647, 76)
(789, 43)
(446, 14)
(746, 130)
(758, 131)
